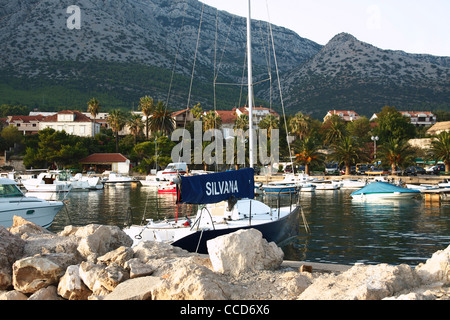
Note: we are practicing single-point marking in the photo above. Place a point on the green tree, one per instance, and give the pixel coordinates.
(301, 125)
(146, 105)
(211, 121)
(397, 152)
(11, 135)
(360, 129)
(392, 124)
(333, 130)
(136, 125)
(269, 123)
(161, 119)
(440, 149)
(93, 108)
(309, 154)
(117, 120)
(348, 152)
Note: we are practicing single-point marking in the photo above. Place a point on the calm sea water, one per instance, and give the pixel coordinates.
(342, 231)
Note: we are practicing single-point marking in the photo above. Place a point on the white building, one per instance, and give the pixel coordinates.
(72, 122)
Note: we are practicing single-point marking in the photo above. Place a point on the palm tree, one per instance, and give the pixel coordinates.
(309, 153)
(334, 129)
(270, 122)
(147, 106)
(93, 108)
(136, 125)
(348, 151)
(300, 125)
(397, 152)
(161, 119)
(117, 120)
(440, 149)
(211, 121)
(241, 122)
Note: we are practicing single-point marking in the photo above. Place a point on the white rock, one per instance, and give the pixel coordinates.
(242, 251)
(71, 286)
(34, 273)
(436, 269)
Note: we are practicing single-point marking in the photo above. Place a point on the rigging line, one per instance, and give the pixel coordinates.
(193, 71)
(279, 82)
(195, 56)
(176, 57)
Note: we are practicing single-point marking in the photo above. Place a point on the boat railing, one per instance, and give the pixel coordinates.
(197, 221)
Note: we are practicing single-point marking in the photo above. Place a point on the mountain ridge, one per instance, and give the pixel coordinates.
(126, 49)
(350, 74)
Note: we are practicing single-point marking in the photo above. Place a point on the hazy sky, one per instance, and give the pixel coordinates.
(415, 26)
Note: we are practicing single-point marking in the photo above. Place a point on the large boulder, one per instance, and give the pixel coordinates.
(11, 249)
(34, 273)
(97, 240)
(363, 283)
(190, 279)
(243, 251)
(436, 269)
(71, 286)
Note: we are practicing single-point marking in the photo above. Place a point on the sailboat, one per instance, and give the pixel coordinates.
(226, 202)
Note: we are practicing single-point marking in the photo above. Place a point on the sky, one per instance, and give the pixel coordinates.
(414, 26)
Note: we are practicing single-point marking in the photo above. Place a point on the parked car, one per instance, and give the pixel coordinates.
(352, 170)
(414, 171)
(332, 169)
(362, 169)
(436, 169)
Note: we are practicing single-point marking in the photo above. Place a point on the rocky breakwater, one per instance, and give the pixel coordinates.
(96, 262)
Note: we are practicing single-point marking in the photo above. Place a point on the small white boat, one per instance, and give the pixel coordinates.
(172, 171)
(14, 203)
(47, 182)
(116, 179)
(383, 190)
(326, 185)
(421, 187)
(280, 188)
(307, 187)
(353, 183)
(85, 183)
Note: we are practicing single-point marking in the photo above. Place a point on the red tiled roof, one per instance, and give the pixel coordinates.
(26, 119)
(227, 116)
(79, 117)
(104, 157)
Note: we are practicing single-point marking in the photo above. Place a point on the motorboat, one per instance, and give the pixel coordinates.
(117, 179)
(169, 188)
(280, 188)
(383, 190)
(326, 185)
(422, 187)
(171, 171)
(48, 182)
(353, 183)
(226, 204)
(14, 203)
(307, 187)
(86, 183)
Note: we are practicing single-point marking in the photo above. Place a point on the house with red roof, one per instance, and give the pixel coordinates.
(259, 113)
(347, 115)
(72, 122)
(101, 162)
(28, 125)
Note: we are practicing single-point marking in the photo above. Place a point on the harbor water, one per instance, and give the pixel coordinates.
(342, 230)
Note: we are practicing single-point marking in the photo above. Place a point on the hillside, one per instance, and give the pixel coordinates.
(128, 48)
(350, 74)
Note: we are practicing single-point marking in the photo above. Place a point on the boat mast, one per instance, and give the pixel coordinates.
(250, 84)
